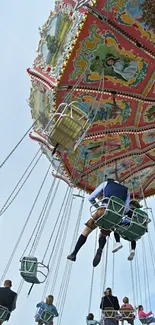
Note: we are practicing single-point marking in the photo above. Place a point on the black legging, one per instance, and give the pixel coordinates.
(117, 238)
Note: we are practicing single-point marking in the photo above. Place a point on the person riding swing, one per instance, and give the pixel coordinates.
(108, 188)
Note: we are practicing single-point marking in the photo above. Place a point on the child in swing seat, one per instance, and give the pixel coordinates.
(46, 306)
(91, 321)
(148, 316)
(126, 304)
(127, 307)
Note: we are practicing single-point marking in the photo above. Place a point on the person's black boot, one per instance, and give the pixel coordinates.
(72, 257)
(81, 241)
(97, 257)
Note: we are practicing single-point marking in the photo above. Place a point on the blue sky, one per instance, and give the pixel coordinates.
(19, 39)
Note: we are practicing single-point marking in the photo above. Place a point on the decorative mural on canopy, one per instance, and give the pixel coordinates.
(101, 56)
(123, 166)
(103, 110)
(151, 186)
(42, 104)
(107, 67)
(57, 37)
(152, 154)
(138, 180)
(127, 12)
(149, 114)
(149, 136)
(93, 151)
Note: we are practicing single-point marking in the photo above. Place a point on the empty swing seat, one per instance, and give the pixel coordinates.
(112, 215)
(137, 227)
(32, 271)
(44, 316)
(4, 313)
(70, 124)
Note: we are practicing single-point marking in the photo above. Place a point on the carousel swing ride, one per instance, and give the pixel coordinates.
(93, 107)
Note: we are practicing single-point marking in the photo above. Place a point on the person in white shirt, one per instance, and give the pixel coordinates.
(107, 189)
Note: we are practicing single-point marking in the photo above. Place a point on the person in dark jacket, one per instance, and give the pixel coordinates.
(8, 297)
(109, 301)
(107, 189)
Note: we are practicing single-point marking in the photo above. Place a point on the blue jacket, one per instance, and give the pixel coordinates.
(42, 307)
(92, 322)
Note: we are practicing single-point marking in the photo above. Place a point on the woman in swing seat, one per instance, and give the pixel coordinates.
(147, 316)
(43, 306)
(107, 189)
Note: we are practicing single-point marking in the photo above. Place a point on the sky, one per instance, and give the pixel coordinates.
(19, 39)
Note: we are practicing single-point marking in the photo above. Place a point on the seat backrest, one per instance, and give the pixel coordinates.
(137, 227)
(47, 317)
(143, 320)
(109, 312)
(28, 269)
(116, 205)
(127, 313)
(29, 265)
(4, 312)
(113, 214)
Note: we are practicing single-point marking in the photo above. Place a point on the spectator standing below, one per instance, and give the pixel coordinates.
(8, 297)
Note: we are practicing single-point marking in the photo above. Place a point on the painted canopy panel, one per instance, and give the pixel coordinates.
(102, 57)
(101, 52)
(128, 15)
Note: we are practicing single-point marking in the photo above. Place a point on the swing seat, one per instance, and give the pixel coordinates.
(4, 313)
(109, 312)
(31, 270)
(70, 124)
(137, 227)
(144, 321)
(112, 215)
(44, 316)
(127, 314)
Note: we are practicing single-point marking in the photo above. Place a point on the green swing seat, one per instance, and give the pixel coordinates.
(137, 227)
(144, 321)
(4, 313)
(113, 214)
(30, 270)
(46, 317)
